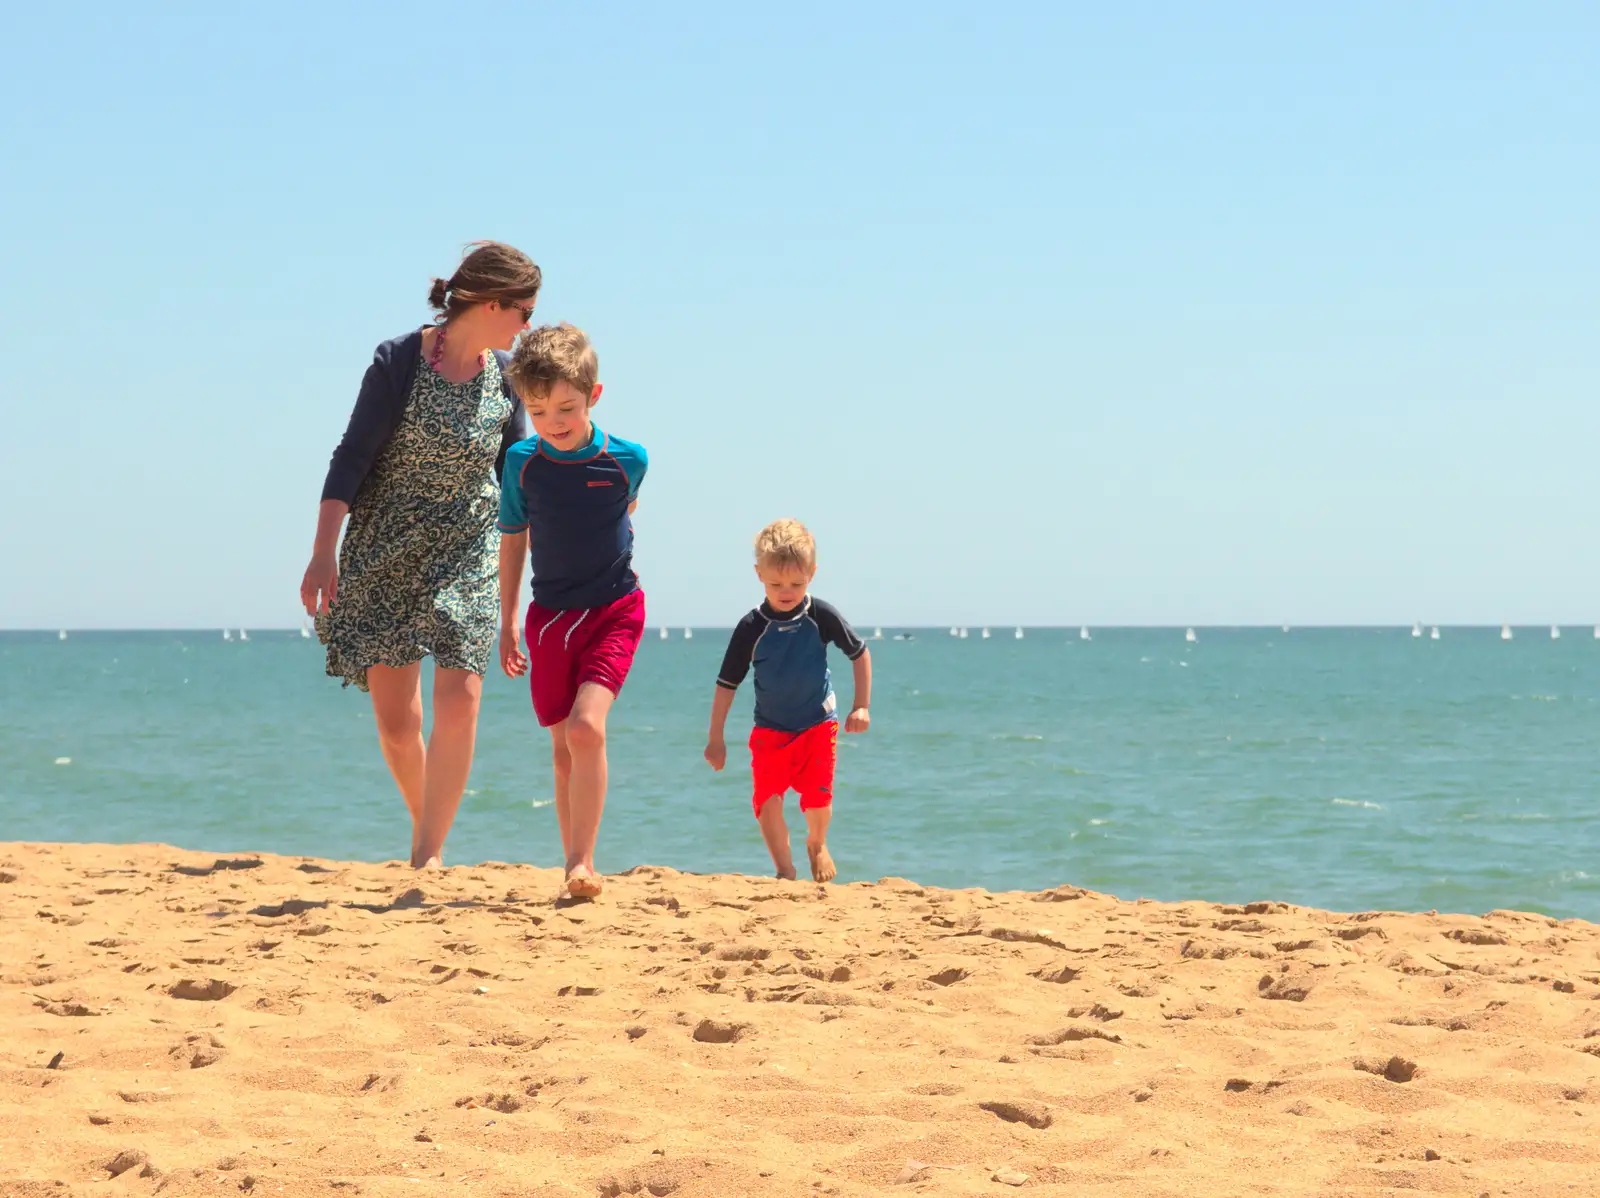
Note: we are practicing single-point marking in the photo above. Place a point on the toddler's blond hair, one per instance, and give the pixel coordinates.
(786, 543)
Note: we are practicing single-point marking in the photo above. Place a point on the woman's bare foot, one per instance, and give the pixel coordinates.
(822, 869)
(583, 882)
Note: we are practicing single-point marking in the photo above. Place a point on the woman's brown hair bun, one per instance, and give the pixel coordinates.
(490, 271)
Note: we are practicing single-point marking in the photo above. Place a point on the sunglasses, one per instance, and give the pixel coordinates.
(527, 312)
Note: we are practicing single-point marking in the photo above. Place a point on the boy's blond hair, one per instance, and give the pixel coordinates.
(786, 543)
(551, 354)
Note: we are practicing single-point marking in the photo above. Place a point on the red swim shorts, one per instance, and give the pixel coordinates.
(568, 648)
(798, 761)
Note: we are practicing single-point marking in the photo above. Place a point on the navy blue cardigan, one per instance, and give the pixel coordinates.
(379, 406)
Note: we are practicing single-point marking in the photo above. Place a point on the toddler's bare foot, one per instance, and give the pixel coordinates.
(583, 882)
(822, 869)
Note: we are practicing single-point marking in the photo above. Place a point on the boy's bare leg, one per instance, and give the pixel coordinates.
(397, 708)
(817, 820)
(776, 833)
(456, 694)
(561, 765)
(586, 790)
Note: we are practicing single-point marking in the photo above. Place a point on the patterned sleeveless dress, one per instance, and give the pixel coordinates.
(419, 566)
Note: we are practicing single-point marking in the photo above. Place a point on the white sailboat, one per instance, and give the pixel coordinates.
(1597, 632)
(877, 634)
(1555, 632)
(955, 632)
(688, 634)
(1433, 633)
(62, 635)
(226, 635)
(1188, 635)
(985, 634)
(1505, 632)
(1416, 630)
(962, 634)
(305, 633)
(1017, 634)
(1083, 633)
(243, 635)
(664, 633)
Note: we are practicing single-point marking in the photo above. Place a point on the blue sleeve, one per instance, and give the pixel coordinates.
(836, 629)
(517, 427)
(634, 462)
(379, 406)
(513, 507)
(741, 648)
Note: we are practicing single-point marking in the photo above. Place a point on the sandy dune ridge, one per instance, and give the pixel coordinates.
(179, 1024)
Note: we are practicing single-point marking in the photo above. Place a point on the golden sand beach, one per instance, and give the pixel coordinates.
(176, 1023)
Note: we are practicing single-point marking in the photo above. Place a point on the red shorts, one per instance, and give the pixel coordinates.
(568, 648)
(798, 761)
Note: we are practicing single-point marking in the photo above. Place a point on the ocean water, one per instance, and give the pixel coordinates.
(1345, 768)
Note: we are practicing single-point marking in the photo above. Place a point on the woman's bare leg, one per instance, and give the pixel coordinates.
(397, 707)
(456, 695)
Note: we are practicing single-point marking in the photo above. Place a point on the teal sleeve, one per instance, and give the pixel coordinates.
(634, 462)
(513, 508)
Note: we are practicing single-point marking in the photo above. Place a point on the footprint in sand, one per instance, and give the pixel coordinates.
(1396, 1069)
(211, 990)
(198, 1050)
(1034, 1114)
(715, 1031)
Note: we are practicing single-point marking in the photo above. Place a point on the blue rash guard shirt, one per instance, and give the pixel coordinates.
(789, 651)
(574, 506)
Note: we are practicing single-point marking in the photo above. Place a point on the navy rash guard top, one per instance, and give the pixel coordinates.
(789, 652)
(574, 506)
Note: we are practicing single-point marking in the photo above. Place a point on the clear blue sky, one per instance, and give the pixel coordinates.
(1042, 313)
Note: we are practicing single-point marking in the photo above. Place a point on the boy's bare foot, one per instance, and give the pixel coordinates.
(583, 882)
(822, 869)
(432, 863)
(786, 875)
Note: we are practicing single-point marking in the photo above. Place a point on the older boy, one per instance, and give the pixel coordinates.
(794, 744)
(573, 487)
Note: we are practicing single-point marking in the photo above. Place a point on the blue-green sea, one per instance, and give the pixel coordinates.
(1344, 768)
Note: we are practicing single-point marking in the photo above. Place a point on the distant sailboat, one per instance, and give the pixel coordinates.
(305, 633)
(1433, 633)
(226, 635)
(1597, 632)
(1017, 634)
(1083, 633)
(664, 633)
(1416, 630)
(243, 635)
(877, 634)
(962, 634)
(1555, 632)
(985, 634)
(688, 634)
(62, 635)
(1505, 632)
(1189, 636)
(955, 632)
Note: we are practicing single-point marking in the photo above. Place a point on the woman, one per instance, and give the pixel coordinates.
(418, 473)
